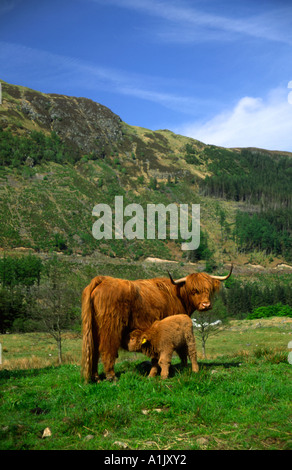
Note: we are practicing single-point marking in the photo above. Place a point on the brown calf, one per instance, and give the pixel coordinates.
(174, 333)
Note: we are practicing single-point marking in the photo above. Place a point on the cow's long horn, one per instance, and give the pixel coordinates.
(178, 281)
(223, 278)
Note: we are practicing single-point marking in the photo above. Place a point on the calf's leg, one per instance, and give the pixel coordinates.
(164, 362)
(192, 351)
(154, 367)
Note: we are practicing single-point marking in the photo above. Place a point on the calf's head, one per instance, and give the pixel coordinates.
(135, 340)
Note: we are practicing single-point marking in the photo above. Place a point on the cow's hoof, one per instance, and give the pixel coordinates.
(112, 379)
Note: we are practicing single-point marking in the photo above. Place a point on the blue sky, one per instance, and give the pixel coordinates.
(214, 70)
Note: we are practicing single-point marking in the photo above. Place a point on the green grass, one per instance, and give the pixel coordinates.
(231, 404)
(246, 337)
(239, 400)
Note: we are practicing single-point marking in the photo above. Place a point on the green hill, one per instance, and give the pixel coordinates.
(60, 156)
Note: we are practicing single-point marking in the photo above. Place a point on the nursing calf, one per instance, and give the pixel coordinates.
(174, 333)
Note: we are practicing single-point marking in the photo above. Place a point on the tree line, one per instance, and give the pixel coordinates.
(248, 176)
(35, 296)
(259, 180)
(238, 300)
(268, 231)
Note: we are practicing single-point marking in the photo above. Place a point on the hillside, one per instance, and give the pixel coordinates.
(61, 155)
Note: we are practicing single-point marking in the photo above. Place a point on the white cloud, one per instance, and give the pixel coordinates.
(252, 122)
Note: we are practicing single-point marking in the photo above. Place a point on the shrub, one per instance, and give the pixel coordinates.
(277, 310)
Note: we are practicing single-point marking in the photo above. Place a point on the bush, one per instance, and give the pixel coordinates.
(277, 310)
(25, 271)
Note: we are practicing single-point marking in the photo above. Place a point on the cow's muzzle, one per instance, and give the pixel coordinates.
(205, 306)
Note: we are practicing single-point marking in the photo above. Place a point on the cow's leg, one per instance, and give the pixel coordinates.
(109, 347)
(154, 367)
(95, 356)
(108, 360)
(110, 342)
(95, 377)
(164, 362)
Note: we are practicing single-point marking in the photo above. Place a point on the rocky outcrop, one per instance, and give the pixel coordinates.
(80, 122)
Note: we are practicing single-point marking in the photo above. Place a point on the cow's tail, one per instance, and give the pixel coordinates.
(89, 333)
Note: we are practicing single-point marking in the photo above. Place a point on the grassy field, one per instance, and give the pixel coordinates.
(239, 400)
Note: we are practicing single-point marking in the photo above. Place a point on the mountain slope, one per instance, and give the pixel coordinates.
(63, 155)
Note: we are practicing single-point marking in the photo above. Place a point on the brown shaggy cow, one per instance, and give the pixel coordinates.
(112, 308)
(171, 334)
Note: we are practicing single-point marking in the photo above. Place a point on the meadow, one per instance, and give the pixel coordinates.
(239, 400)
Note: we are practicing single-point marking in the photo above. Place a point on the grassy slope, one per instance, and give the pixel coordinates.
(51, 199)
(240, 399)
(224, 406)
(60, 199)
